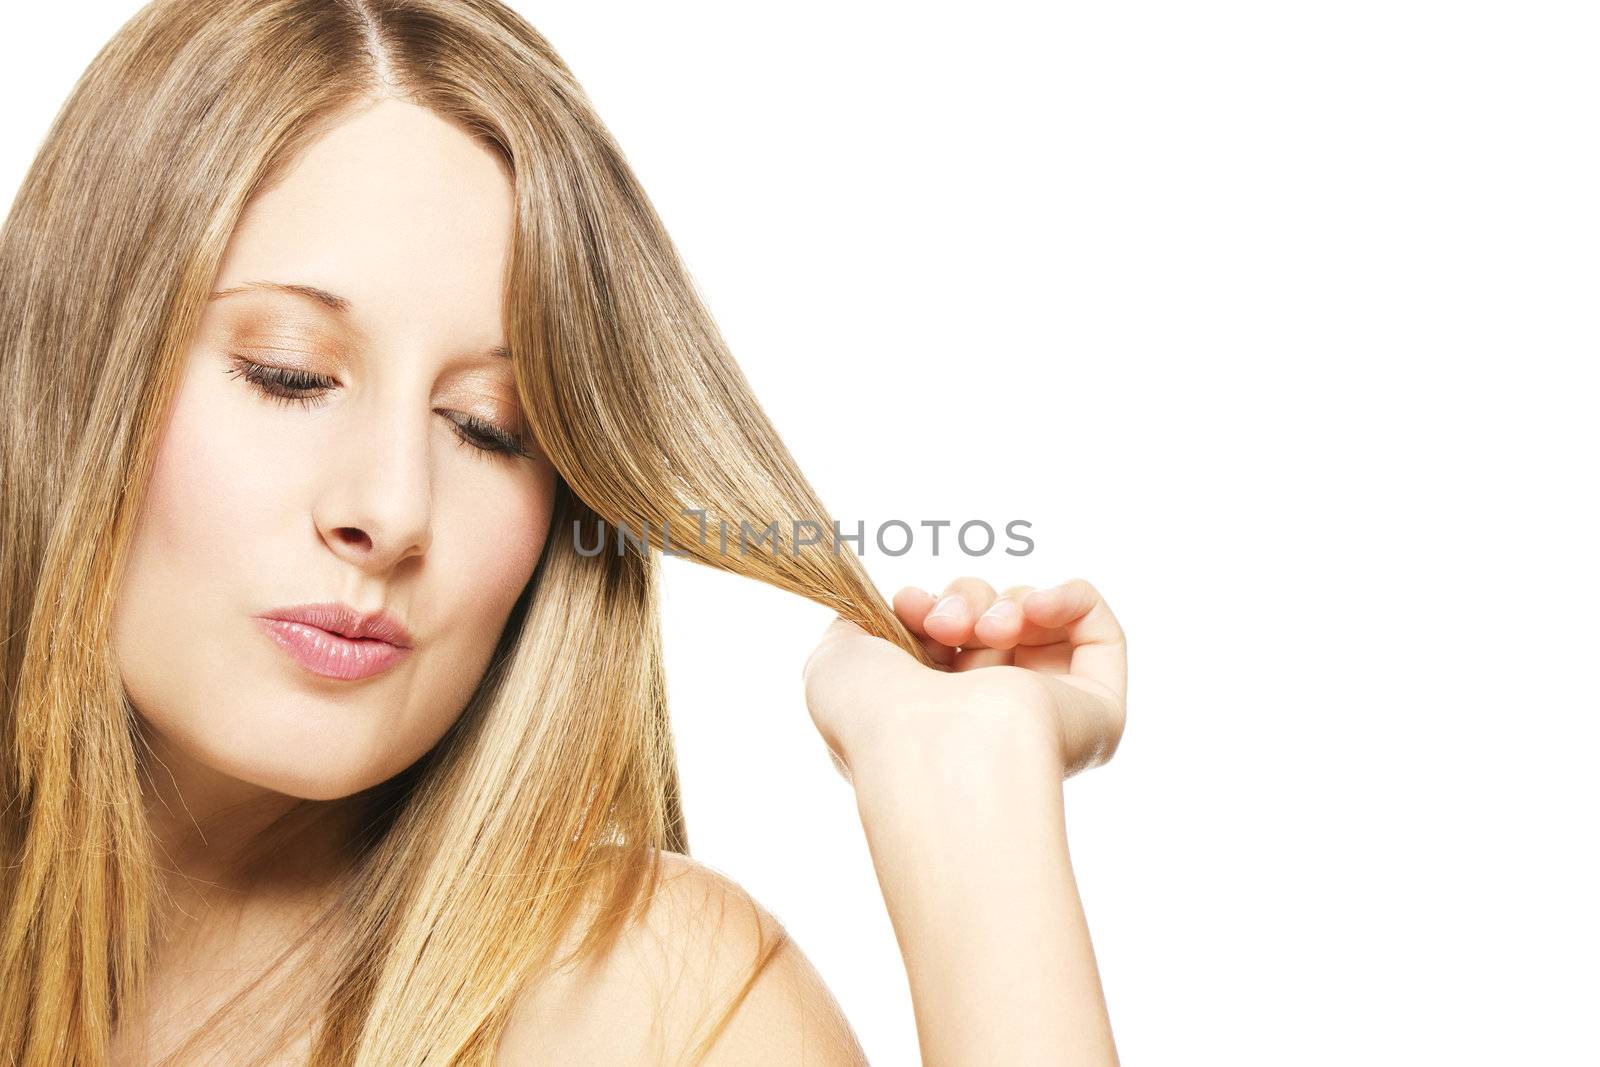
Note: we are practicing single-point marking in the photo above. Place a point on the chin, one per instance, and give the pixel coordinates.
(306, 768)
(312, 783)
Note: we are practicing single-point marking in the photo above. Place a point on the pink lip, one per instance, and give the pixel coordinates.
(335, 641)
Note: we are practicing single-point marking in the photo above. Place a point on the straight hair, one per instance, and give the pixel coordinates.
(530, 835)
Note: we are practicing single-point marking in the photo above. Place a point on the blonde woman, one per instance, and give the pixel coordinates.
(331, 332)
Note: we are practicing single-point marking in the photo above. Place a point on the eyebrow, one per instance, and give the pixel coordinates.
(323, 297)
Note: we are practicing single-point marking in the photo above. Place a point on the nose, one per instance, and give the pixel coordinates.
(375, 503)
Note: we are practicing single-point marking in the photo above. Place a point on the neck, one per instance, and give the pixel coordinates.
(215, 833)
(245, 873)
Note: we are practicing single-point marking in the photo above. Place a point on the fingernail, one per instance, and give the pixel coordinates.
(1001, 611)
(951, 606)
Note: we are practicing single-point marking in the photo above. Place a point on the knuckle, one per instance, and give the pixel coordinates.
(1113, 742)
(1109, 737)
(967, 584)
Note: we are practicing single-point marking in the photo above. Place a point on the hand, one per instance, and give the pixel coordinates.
(1051, 661)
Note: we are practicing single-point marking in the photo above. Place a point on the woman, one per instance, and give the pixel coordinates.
(333, 334)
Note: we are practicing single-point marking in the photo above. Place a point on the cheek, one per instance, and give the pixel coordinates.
(222, 493)
(212, 489)
(189, 549)
(494, 543)
(503, 564)
(214, 536)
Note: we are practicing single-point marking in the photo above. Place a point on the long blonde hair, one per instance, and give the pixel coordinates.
(543, 810)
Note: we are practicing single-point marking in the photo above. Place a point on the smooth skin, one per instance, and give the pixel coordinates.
(957, 773)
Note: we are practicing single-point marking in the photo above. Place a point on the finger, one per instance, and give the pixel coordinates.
(834, 640)
(842, 625)
(846, 662)
(1003, 624)
(1090, 719)
(975, 656)
(940, 652)
(953, 617)
(838, 627)
(1081, 614)
(1053, 658)
(912, 605)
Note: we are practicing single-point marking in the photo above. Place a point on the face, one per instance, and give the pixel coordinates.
(338, 437)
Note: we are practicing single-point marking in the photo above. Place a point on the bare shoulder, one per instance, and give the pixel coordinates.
(705, 976)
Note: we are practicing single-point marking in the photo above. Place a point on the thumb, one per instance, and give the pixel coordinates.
(839, 627)
(850, 665)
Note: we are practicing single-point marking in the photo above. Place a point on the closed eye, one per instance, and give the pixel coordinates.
(290, 385)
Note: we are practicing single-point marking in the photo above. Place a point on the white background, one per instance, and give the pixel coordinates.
(1278, 322)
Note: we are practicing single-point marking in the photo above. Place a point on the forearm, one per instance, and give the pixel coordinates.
(969, 841)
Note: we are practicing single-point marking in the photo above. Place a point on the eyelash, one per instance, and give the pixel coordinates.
(281, 384)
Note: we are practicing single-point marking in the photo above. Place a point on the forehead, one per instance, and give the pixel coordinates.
(393, 207)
